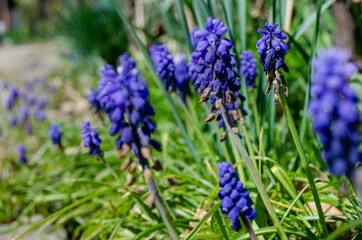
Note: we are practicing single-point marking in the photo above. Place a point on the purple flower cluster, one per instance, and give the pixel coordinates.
(248, 68)
(27, 102)
(336, 118)
(21, 154)
(212, 70)
(124, 96)
(235, 198)
(173, 74)
(91, 139)
(272, 50)
(55, 133)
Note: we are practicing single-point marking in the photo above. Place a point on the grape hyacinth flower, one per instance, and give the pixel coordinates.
(55, 133)
(173, 72)
(272, 50)
(248, 68)
(93, 100)
(235, 199)
(163, 61)
(125, 98)
(91, 139)
(28, 128)
(21, 154)
(213, 71)
(12, 98)
(336, 118)
(23, 114)
(194, 40)
(182, 77)
(12, 120)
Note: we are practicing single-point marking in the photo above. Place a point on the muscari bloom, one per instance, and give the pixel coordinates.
(212, 70)
(12, 98)
(336, 118)
(91, 139)
(174, 75)
(248, 68)
(23, 114)
(235, 198)
(124, 96)
(21, 153)
(55, 133)
(272, 50)
(12, 120)
(93, 100)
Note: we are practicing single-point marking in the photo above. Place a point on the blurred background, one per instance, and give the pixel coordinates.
(53, 50)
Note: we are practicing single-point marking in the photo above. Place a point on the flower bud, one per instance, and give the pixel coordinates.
(130, 181)
(223, 137)
(146, 152)
(126, 164)
(150, 200)
(210, 118)
(133, 167)
(218, 103)
(235, 115)
(148, 175)
(235, 130)
(125, 150)
(157, 164)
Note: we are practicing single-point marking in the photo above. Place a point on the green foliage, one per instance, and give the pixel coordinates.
(90, 29)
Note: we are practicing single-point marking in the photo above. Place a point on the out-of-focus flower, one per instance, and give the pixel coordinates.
(235, 198)
(336, 118)
(21, 154)
(91, 139)
(248, 68)
(272, 50)
(55, 133)
(23, 114)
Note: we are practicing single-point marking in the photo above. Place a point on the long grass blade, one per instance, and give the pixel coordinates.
(183, 22)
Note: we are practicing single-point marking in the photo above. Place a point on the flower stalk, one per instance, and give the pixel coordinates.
(248, 227)
(227, 119)
(161, 206)
(298, 144)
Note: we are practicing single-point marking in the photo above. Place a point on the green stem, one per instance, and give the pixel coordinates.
(256, 114)
(248, 227)
(183, 22)
(253, 172)
(298, 144)
(156, 78)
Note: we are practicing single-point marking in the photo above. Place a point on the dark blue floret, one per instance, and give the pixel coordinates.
(235, 198)
(93, 100)
(248, 68)
(336, 118)
(212, 69)
(91, 139)
(21, 154)
(55, 133)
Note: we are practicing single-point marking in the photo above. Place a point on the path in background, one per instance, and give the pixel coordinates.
(16, 59)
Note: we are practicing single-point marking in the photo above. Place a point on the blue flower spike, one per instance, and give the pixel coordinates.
(272, 49)
(333, 106)
(235, 198)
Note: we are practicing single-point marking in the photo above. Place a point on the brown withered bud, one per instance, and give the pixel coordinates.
(275, 86)
(223, 137)
(148, 175)
(125, 150)
(210, 118)
(235, 115)
(235, 130)
(172, 181)
(275, 98)
(267, 79)
(146, 152)
(218, 103)
(277, 74)
(133, 167)
(126, 164)
(150, 200)
(268, 89)
(286, 91)
(213, 108)
(205, 94)
(228, 97)
(130, 181)
(242, 121)
(157, 164)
